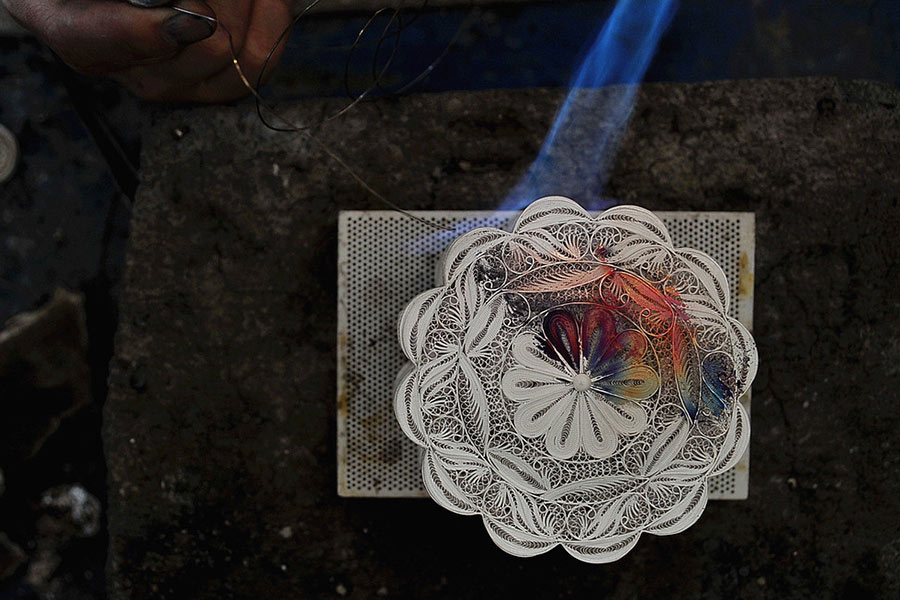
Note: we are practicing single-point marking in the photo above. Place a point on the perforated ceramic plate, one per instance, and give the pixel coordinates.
(385, 259)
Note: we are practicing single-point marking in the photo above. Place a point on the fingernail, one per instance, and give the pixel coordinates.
(188, 29)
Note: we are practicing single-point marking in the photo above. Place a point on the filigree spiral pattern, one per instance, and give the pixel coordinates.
(575, 381)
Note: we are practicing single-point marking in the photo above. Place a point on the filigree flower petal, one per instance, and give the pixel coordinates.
(598, 332)
(634, 383)
(523, 385)
(561, 334)
(627, 349)
(597, 437)
(564, 437)
(627, 418)
(526, 351)
(534, 418)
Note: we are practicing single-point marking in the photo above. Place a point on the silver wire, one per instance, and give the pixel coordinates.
(292, 127)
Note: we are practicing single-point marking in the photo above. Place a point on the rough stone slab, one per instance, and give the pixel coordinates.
(220, 419)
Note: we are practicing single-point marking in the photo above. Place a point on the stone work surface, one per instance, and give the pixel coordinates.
(220, 431)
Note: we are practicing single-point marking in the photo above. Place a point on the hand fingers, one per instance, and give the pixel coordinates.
(269, 20)
(173, 79)
(205, 72)
(99, 37)
(212, 55)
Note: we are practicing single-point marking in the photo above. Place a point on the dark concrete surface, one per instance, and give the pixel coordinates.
(219, 425)
(63, 223)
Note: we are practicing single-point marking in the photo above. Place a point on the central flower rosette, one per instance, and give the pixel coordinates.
(581, 381)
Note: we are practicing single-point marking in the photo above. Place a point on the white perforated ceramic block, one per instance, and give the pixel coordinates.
(385, 259)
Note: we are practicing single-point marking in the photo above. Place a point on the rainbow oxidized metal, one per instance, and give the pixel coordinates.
(575, 381)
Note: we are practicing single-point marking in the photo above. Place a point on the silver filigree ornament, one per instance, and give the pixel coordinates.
(575, 381)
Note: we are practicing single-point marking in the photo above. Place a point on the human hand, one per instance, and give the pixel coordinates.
(157, 52)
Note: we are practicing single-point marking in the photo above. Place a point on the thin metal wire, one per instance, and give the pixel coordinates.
(288, 126)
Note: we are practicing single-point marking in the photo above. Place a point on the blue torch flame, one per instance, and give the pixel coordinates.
(581, 144)
(579, 149)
